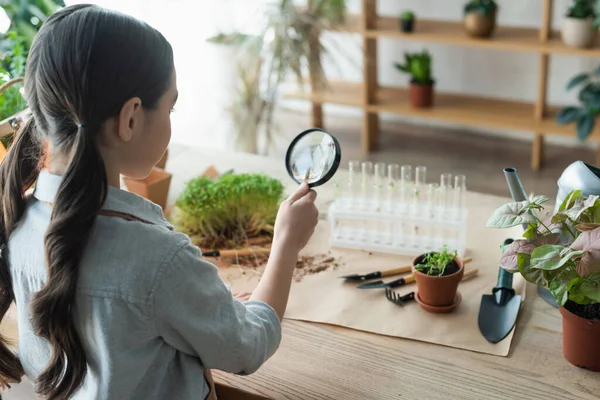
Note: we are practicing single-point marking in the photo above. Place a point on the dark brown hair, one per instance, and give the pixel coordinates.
(84, 64)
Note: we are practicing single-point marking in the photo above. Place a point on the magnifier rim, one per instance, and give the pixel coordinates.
(334, 165)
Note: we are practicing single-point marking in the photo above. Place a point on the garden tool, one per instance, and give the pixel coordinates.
(498, 311)
(397, 299)
(236, 253)
(378, 274)
(409, 279)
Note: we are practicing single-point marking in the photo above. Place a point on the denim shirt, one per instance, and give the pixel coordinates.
(150, 313)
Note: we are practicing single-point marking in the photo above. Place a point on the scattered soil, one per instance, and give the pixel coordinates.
(306, 265)
(587, 311)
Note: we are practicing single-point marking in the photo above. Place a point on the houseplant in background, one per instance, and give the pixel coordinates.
(578, 26)
(562, 253)
(437, 275)
(407, 21)
(586, 113)
(288, 44)
(418, 66)
(480, 18)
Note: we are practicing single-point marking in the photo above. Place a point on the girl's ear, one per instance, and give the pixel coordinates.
(130, 119)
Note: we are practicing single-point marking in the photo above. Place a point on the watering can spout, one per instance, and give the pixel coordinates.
(515, 186)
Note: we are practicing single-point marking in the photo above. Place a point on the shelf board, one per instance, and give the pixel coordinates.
(453, 33)
(449, 107)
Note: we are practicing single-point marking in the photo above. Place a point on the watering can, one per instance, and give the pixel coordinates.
(577, 176)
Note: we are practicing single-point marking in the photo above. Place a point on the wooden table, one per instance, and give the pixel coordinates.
(327, 362)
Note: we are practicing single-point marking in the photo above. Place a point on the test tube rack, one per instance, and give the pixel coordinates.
(374, 219)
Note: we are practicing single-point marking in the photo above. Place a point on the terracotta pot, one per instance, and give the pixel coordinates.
(578, 32)
(438, 291)
(163, 161)
(480, 26)
(581, 340)
(155, 187)
(407, 25)
(421, 95)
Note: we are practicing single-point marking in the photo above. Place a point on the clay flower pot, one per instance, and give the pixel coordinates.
(155, 187)
(577, 32)
(438, 291)
(480, 26)
(407, 25)
(581, 340)
(421, 94)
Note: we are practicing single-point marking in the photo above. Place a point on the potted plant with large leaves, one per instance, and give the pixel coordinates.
(578, 26)
(562, 253)
(585, 114)
(480, 18)
(418, 66)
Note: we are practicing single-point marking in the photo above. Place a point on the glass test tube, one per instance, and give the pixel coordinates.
(419, 189)
(460, 191)
(405, 185)
(446, 191)
(353, 182)
(393, 177)
(378, 182)
(430, 231)
(365, 187)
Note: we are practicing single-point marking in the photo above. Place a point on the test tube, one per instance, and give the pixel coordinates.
(446, 190)
(460, 191)
(393, 176)
(405, 184)
(420, 182)
(367, 173)
(353, 182)
(430, 232)
(378, 182)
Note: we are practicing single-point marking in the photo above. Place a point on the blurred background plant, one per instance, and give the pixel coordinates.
(26, 17)
(289, 43)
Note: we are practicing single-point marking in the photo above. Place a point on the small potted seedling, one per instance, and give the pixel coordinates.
(438, 274)
(578, 26)
(418, 66)
(407, 21)
(480, 18)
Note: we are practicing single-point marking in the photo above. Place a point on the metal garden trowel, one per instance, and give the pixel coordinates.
(498, 311)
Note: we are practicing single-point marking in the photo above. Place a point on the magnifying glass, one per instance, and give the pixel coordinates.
(313, 157)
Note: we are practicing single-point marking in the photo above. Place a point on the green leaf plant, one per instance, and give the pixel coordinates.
(418, 66)
(225, 212)
(435, 263)
(584, 115)
(560, 251)
(486, 8)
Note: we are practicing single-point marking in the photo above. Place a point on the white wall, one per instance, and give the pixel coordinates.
(507, 75)
(205, 71)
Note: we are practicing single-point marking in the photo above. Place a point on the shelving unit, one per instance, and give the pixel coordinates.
(537, 117)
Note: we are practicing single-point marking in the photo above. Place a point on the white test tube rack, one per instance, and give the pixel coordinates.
(396, 227)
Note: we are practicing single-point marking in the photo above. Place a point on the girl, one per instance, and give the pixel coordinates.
(111, 302)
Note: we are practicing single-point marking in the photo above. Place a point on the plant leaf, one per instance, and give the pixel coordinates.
(585, 126)
(587, 227)
(590, 287)
(577, 80)
(538, 199)
(559, 286)
(534, 276)
(567, 115)
(580, 207)
(546, 257)
(589, 242)
(530, 232)
(570, 200)
(511, 214)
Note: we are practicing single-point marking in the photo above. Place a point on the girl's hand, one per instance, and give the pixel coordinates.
(243, 296)
(296, 220)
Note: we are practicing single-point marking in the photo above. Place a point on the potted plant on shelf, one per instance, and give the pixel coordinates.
(407, 21)
(578, 26)
(589, 96)
(480, 18)
(562, 253)
(420, 91)
(437, 275)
